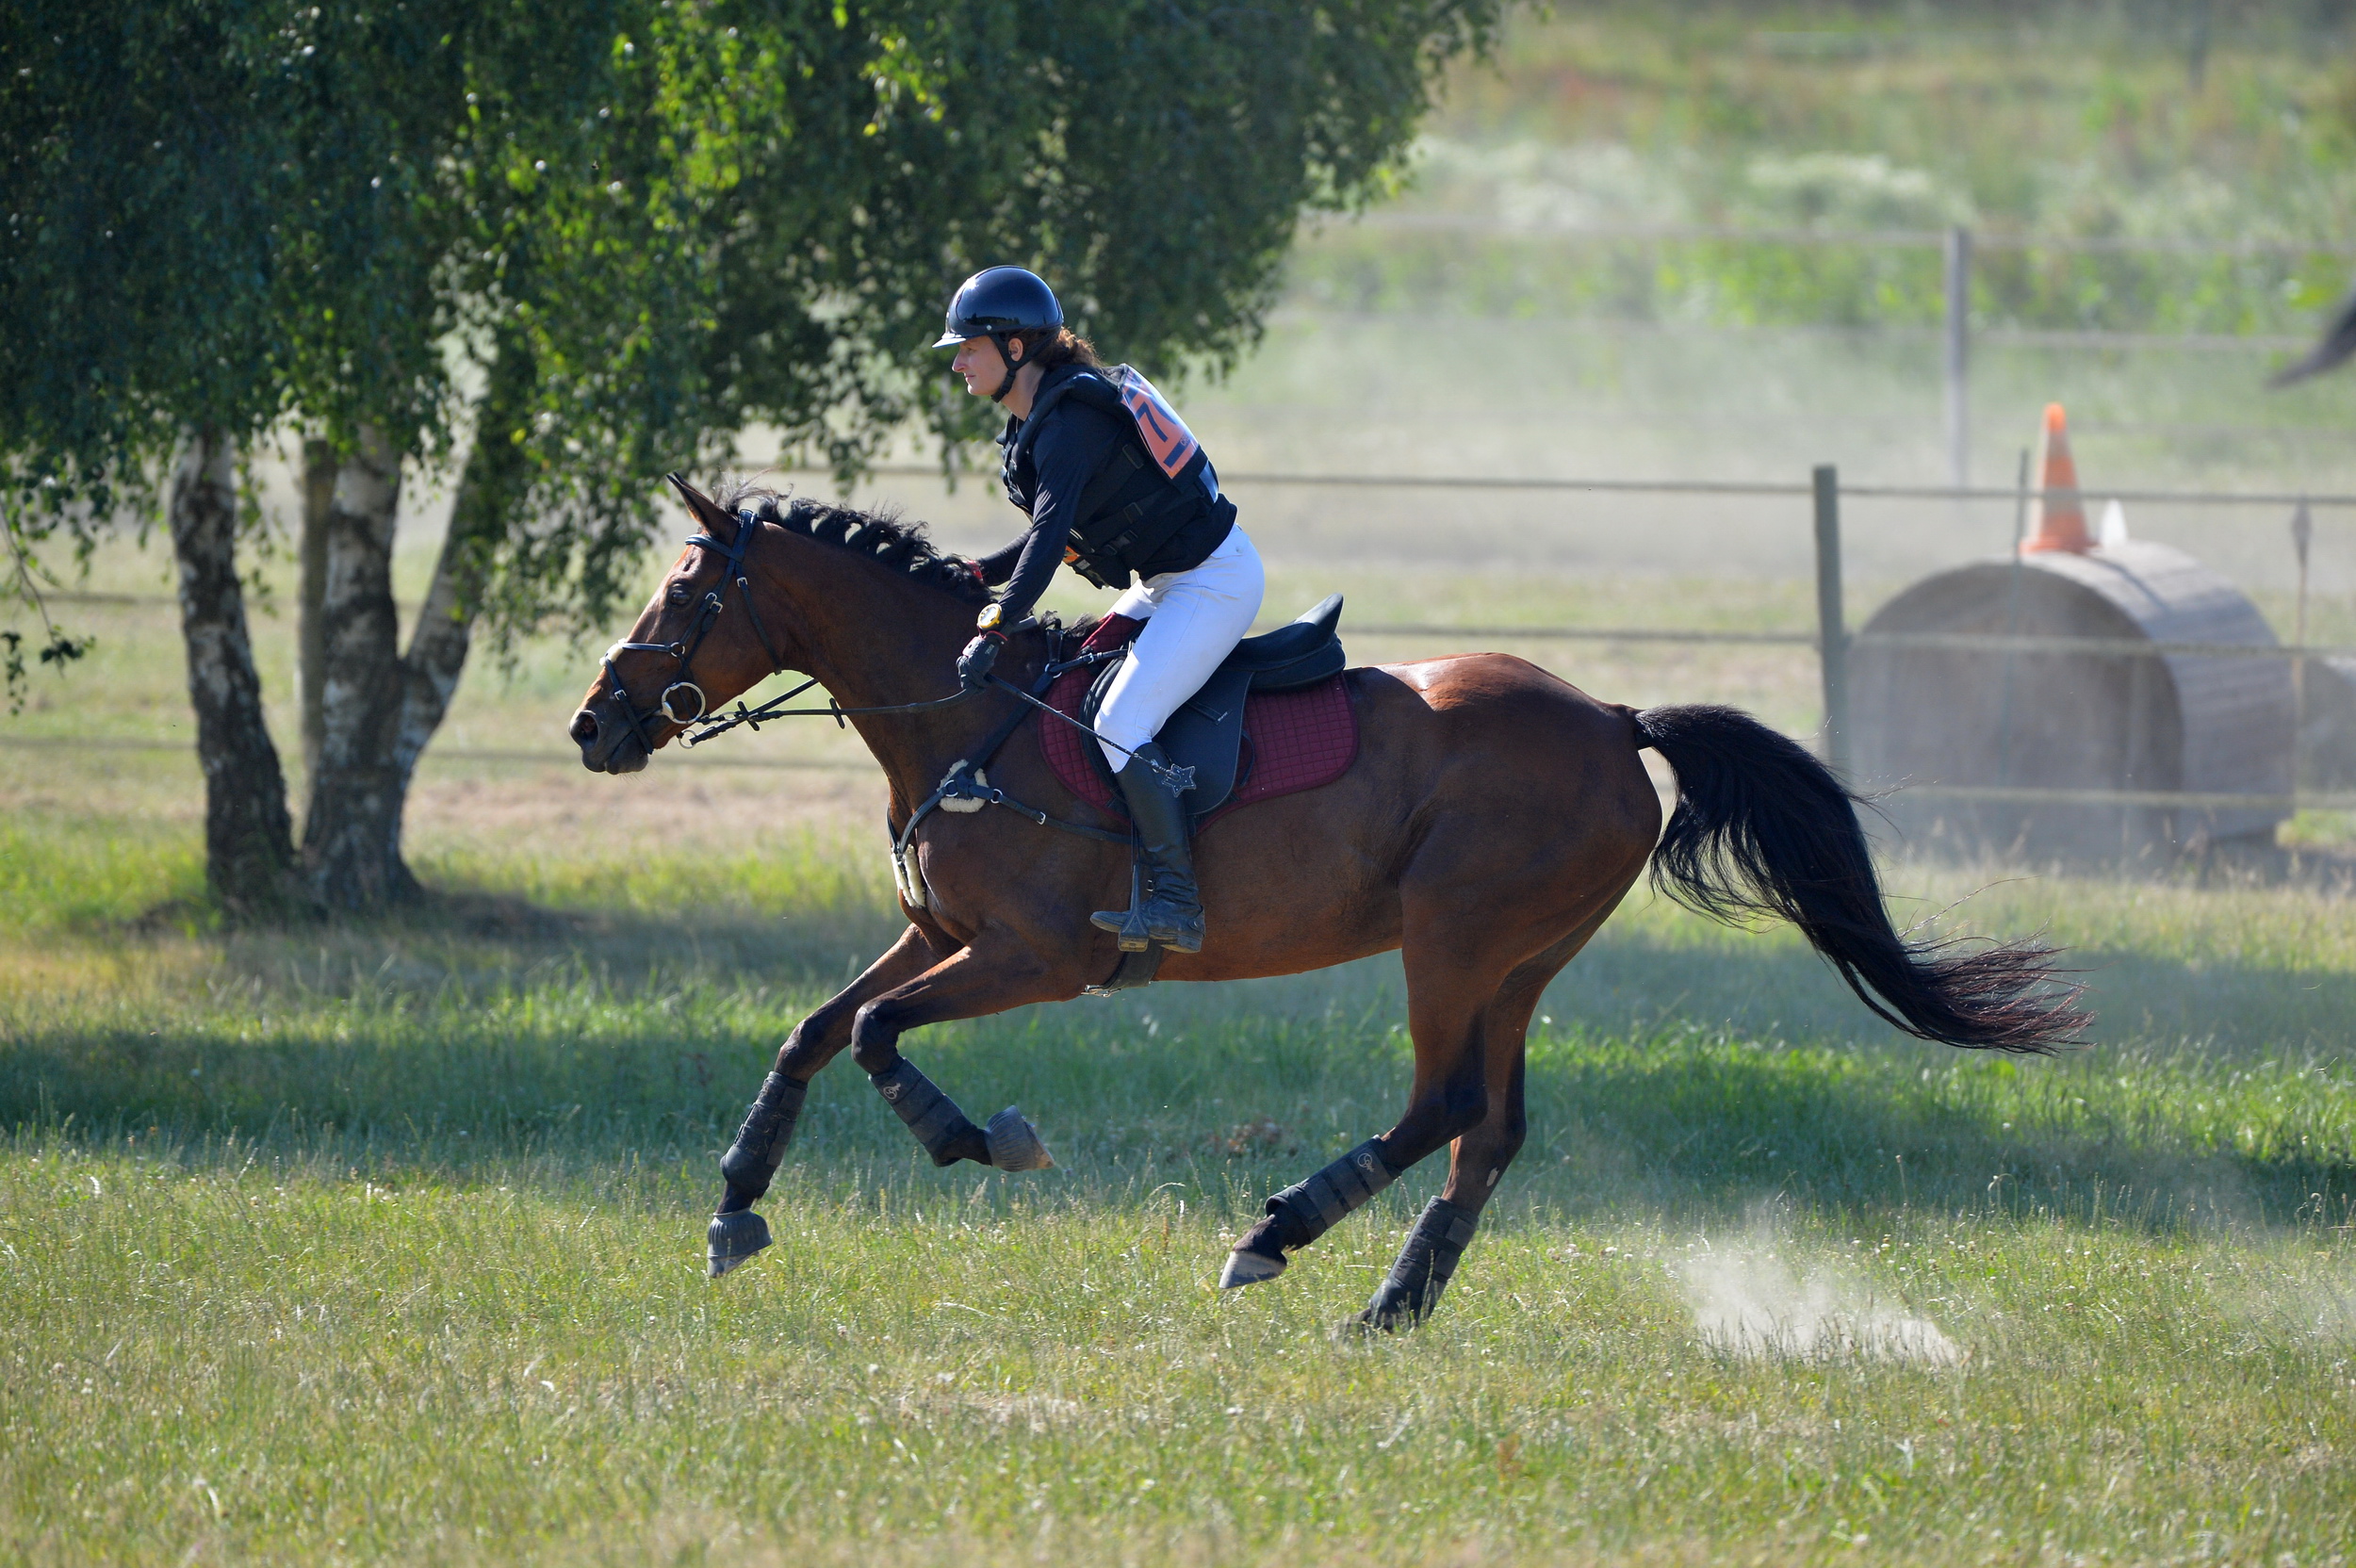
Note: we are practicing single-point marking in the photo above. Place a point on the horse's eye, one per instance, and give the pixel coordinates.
(679, 593)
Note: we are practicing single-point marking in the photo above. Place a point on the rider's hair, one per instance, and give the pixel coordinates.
(1066, 348)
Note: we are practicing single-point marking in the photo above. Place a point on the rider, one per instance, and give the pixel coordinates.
(1116, 504)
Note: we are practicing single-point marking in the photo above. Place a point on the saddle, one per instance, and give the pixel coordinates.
(1207, 730)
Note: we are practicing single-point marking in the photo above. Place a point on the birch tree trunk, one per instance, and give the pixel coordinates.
(445, 628)
(319, 493)
(379, 708)
(249, 845)
(352, 828)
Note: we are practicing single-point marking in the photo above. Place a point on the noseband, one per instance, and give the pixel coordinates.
(706, 615)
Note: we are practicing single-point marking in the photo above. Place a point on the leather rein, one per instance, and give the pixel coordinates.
(712, 725)
(964, 787)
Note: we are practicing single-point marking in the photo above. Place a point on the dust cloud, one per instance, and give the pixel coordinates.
(1746, 1299)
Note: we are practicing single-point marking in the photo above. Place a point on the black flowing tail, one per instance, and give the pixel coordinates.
(1763, 828)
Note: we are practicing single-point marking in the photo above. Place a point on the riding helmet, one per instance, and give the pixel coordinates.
(999, 302)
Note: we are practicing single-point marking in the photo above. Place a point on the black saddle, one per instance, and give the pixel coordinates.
(1206, 732)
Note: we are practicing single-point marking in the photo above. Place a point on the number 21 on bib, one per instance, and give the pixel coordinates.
(1166, 436)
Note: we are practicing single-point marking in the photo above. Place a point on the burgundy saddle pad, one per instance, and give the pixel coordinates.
(1292, 740)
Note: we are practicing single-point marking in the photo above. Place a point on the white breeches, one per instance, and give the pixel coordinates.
(1192, 621)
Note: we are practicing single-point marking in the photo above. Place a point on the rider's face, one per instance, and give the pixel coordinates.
(982, 365)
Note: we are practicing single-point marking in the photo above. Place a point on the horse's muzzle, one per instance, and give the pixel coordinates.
(607, 742)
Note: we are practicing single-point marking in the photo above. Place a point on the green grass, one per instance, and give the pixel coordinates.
(383, 1243)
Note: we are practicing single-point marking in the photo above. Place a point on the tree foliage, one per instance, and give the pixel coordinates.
(686, 216)
(779, 198)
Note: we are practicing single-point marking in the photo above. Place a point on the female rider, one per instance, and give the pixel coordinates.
(1115, 485)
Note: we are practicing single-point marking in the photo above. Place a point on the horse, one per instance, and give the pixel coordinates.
(1493, 818)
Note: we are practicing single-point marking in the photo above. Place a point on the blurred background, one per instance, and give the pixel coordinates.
(1635, 245)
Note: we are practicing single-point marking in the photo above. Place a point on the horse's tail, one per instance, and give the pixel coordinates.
(1762, 827)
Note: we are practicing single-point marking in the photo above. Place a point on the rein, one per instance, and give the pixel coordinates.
(756, 717)
(964, 787)
(706, 615)
(713, 725)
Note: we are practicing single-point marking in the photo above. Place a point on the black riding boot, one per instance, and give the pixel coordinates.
(1173, 910)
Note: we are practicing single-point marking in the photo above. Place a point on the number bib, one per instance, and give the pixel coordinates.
(1166, 436)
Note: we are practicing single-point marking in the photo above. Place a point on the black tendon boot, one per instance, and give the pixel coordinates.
(1173, 910)
(1411, 1291)
(1305, 1211)
(1009, 1143)
(748, 1166)
(932, 1115)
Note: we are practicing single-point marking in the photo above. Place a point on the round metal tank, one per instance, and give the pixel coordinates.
(2327, 727)
(2055, 719)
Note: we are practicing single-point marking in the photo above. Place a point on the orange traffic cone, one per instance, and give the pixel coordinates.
(2057, 519)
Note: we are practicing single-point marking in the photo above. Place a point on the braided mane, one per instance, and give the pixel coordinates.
(882, 536)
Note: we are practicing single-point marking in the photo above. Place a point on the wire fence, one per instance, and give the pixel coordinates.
(1833, 641)
(1915, 239)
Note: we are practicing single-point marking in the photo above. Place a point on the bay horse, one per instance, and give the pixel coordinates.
(1492, 821)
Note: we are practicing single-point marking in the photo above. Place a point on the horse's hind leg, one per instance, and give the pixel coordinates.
(1479, 1156)
(1447, 995)
(1478, 1159)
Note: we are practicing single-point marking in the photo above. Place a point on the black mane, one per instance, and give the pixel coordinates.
(882, 536)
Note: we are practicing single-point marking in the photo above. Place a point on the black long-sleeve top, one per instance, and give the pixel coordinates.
(1073, 444)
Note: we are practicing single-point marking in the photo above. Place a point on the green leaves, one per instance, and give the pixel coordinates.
(682, 216)
(800, 186)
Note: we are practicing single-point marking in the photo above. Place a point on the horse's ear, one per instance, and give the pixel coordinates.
(701, 507)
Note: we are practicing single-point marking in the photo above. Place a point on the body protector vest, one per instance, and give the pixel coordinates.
(1154, 504)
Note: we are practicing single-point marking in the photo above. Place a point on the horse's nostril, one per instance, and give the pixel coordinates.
(585, 727)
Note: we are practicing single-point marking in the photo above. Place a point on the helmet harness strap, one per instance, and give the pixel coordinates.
(1013, 369)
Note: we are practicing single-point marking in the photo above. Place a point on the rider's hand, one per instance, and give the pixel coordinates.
(974, 663)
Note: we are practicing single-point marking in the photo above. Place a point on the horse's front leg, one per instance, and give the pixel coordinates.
(969, 983)
(751, 1162)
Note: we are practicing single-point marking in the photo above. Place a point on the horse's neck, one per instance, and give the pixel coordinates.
(877, 640)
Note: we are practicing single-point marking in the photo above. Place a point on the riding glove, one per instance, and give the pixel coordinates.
(974, 663)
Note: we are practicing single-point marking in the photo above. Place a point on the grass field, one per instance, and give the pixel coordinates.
(383, 1243)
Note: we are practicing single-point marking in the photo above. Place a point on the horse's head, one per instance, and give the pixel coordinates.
(698, 643)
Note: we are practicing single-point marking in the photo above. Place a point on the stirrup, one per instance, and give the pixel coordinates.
(1127, 925)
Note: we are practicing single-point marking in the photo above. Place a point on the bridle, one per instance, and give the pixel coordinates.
(707, 615)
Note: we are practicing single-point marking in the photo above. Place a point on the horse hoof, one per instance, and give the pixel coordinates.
(1014, 1143)
(1249, 1268)
(734, 1238)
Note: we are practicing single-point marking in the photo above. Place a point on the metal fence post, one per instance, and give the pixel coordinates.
(1959, 364)
(1832, 633)
(2012, 620)
(2303, 537)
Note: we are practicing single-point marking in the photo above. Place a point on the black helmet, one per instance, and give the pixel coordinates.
(999, 302)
